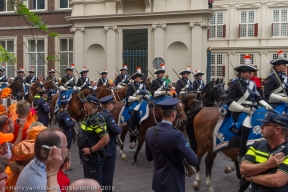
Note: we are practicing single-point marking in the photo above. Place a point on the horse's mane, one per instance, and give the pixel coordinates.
(208, 86)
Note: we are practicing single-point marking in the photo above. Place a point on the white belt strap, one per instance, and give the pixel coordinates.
(123, 80)
(70, 80)
(247, 93)
(31, 81)
(1, 77)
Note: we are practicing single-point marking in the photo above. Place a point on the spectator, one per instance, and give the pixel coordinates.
(172, 91)
(167, 80)
(3, 176)
(94, 85)
(34, 132)
(37, 167)
(21, 125)
(6, 124)
(85, 185)
(62, 178)
(264, 165)
(22, 154)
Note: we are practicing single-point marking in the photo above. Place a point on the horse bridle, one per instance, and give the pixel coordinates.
(18, 93)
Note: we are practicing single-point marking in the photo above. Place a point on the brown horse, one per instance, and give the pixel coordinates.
(152, 120)
(75, 106)
(17, 89)
(119, 94)
(103, 91)
(200, 130)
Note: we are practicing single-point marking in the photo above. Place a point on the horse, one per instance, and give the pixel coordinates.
(200, 128)
(17, 89)
(103, 91)
(152, 120)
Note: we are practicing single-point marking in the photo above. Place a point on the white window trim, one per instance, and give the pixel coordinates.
(25, 57)
(57, 49)
(6, 12)
(215, 65)
(253, 62)
(57, 6)
(272, 19)
(217, 25)
(35, 10)
(247, 10)
(285, 55)
(15, 48)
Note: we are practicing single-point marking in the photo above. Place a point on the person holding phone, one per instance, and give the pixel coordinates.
(43, 108)
(265, 164)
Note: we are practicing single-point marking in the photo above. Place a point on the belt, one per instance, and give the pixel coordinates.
(249, 103)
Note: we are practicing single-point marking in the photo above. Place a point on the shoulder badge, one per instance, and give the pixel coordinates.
(271, 74)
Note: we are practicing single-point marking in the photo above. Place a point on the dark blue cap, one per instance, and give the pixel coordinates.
(64, 102)
(90, 99)
(40, 85)
(275, 118)
(168, 103)
(107, 99)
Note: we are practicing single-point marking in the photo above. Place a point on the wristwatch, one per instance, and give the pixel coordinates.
(251, 179)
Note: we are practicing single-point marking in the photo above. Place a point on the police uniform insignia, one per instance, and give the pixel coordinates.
(67, 119)
(112, 121)
(187, 145)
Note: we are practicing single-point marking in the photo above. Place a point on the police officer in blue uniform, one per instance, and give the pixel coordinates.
(43, 108)
(20, 74)
(68, 81)
(167, 146)
(51, 76)
(3, 79)
(274, 92)
(92, 138)
(103, 79)
(113, 130)
(65, 121)
(198, 83)
(30, 79)
(158, 86)
(83, 81)
(37, 96)
(184, 85)
(122, 80)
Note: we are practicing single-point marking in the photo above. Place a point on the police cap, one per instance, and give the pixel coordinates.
(168, 103)
(64, 102)
(276, 119)
(90, 99)
(107, 99)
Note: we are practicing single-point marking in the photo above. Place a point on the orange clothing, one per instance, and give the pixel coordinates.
(8, 173)
(172, 92)
(24, 132)
(12, 182)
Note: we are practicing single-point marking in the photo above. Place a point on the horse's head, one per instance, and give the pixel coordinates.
(147, 83)
(181, 117)
(217, 92)
(17, 89)
(49, 84)
(103, 91)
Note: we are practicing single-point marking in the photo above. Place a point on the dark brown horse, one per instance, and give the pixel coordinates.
(152, 120)
(103, 91)
(17, 89)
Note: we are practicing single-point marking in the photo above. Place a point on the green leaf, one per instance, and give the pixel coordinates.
(53, 34)
(6, 56)
(52, 58)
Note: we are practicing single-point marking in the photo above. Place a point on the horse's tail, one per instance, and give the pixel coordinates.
(190, 128)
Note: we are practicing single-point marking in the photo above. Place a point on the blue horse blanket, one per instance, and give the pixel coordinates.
(222, 134)
(64, 95)
(143, 112)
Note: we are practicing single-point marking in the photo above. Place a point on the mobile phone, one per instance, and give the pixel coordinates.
(20, 121)
(45, 149)
(280, 149)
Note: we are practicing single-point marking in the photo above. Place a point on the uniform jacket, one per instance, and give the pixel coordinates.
(198, 83)
(30, 79)
(83, 82)
(65, 122)
(3, 78)
(272, 83)
(50, 77)
(235, 92)
(122, 78)
(102, 81)
(113, 131)
(19, 77)
(166, 176)
(130, 90)
(182, 83)
(43, 111)
(156, 84)
(68, 78)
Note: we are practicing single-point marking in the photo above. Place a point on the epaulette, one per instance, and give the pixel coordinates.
(270, 75)
(234, 79)
(175, 128)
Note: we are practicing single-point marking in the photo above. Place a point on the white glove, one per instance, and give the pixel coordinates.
(62, 88)
(138, 97)
(246, 110)
(268, 107)
(27, 84)
(163, 92)
(284, 99)
(146, 97)
(79, 88)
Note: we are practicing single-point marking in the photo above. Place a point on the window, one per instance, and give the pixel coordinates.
(275, 55)
(65, 53)
(217, 29)
(242, 59)
(247, 26)
(280, 22)
(6, 5)
(9, 66)
(36, 4)
(217, 66)
(36, 55)
(64, 4)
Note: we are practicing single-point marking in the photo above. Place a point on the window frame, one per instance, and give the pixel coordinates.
(14, 52)
(215, 66)
(1, 12)
(252, 55)
(216, 25)
(58, 4)
(280, 22)
(247, 24)
(36, 10)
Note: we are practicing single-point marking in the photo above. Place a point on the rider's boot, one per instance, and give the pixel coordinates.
(243, 142)
(133, 125)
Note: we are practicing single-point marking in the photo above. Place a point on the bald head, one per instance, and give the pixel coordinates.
(85, 185)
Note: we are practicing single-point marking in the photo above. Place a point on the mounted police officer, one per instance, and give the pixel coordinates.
(113, 130)
(184, 85)
(3, 78)
(51, 76)
(83, 81)
(276, 85)
(198, 83)
(167, 146)
(136, 91)
(30, 79)
(68, 81)
(103, 80)
(158, 86)
(92, 138)
(20, 74)
(122, 79)
(43, 108)
(242, 96)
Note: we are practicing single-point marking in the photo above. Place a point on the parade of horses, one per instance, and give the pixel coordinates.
(214, 116)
